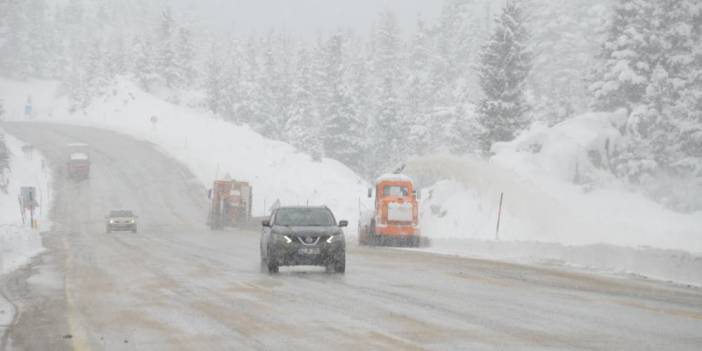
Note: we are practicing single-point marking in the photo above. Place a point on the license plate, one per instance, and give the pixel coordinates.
(309, 251)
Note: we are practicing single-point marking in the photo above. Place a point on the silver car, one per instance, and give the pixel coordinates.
(121, 220)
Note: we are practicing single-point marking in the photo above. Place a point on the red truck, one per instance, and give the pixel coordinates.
(230, 204)
(78, 164)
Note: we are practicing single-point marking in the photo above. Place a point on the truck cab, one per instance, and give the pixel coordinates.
(78, 163)
(396, 217)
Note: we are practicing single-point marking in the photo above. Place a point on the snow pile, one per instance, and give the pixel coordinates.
(545, 202)
(669, 265)
(575, 151)
(211, 148)
(543, 209)
(18, 242)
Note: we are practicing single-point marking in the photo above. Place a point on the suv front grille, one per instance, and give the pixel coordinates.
(308, 240)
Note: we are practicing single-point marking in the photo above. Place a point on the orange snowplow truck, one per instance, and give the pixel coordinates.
(230, 204)
(395, 219)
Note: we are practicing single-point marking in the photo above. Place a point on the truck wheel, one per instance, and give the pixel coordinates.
(340, 265)
(373, 239)
(272, 266)
(271, 263)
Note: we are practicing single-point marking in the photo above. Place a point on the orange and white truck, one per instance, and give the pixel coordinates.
(78, 163)
(230, 204)
(395, 219)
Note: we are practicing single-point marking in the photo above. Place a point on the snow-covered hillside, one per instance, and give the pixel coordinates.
(211, 148)
(555, 190)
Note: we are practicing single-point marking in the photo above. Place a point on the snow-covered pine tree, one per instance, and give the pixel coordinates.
(565, 37)
(24, 50)
(342, 130)
(361, 95)
(626, 60)
(250, 78)
(214, 82)
(389, 145)
(273, 96)
(303, 127)
(650, 64)
(418, 93)
(184, 59)
(165, 61)
(144, 69)
(505, 62)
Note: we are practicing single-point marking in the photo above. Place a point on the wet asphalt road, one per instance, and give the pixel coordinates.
(176, 285)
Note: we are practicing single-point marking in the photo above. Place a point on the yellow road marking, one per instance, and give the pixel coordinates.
(79, 339)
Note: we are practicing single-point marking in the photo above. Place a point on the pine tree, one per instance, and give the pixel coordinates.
(419, 92)
(144, 69)
(651, 64)
(505, 62)
(166, 59)
(303, 127)
(342, 131)
(388, 144)
(184, 59)
(214, 82)
(626, 67)
(565, 38)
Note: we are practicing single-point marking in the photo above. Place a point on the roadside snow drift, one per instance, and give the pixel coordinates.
(211, 148)
(556, 191)
(18, 242)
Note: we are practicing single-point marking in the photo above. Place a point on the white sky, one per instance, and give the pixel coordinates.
(307, 16)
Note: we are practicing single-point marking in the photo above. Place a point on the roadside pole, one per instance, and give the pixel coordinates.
(499, 216)
(31, 210)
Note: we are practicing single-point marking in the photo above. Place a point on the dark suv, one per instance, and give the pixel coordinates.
(303, 236)
(121, 220)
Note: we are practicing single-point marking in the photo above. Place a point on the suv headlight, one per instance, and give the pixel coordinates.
(334, 237)
(282, 237)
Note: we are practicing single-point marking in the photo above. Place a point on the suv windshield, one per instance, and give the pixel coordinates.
(304, 217)
(121, 214)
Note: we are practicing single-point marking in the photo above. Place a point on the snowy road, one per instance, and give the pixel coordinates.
(177, 286)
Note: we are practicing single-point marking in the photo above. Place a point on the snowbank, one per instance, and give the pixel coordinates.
(668, 265)
(209, 147)
(18, 242)
(574, 151)
(557, 191)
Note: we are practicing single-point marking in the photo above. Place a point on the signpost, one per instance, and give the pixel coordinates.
(499, 215)
(28, 107)
(28, 202)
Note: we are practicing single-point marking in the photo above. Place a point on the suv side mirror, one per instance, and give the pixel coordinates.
(370, 193)
(266, 223)
(343, 223)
